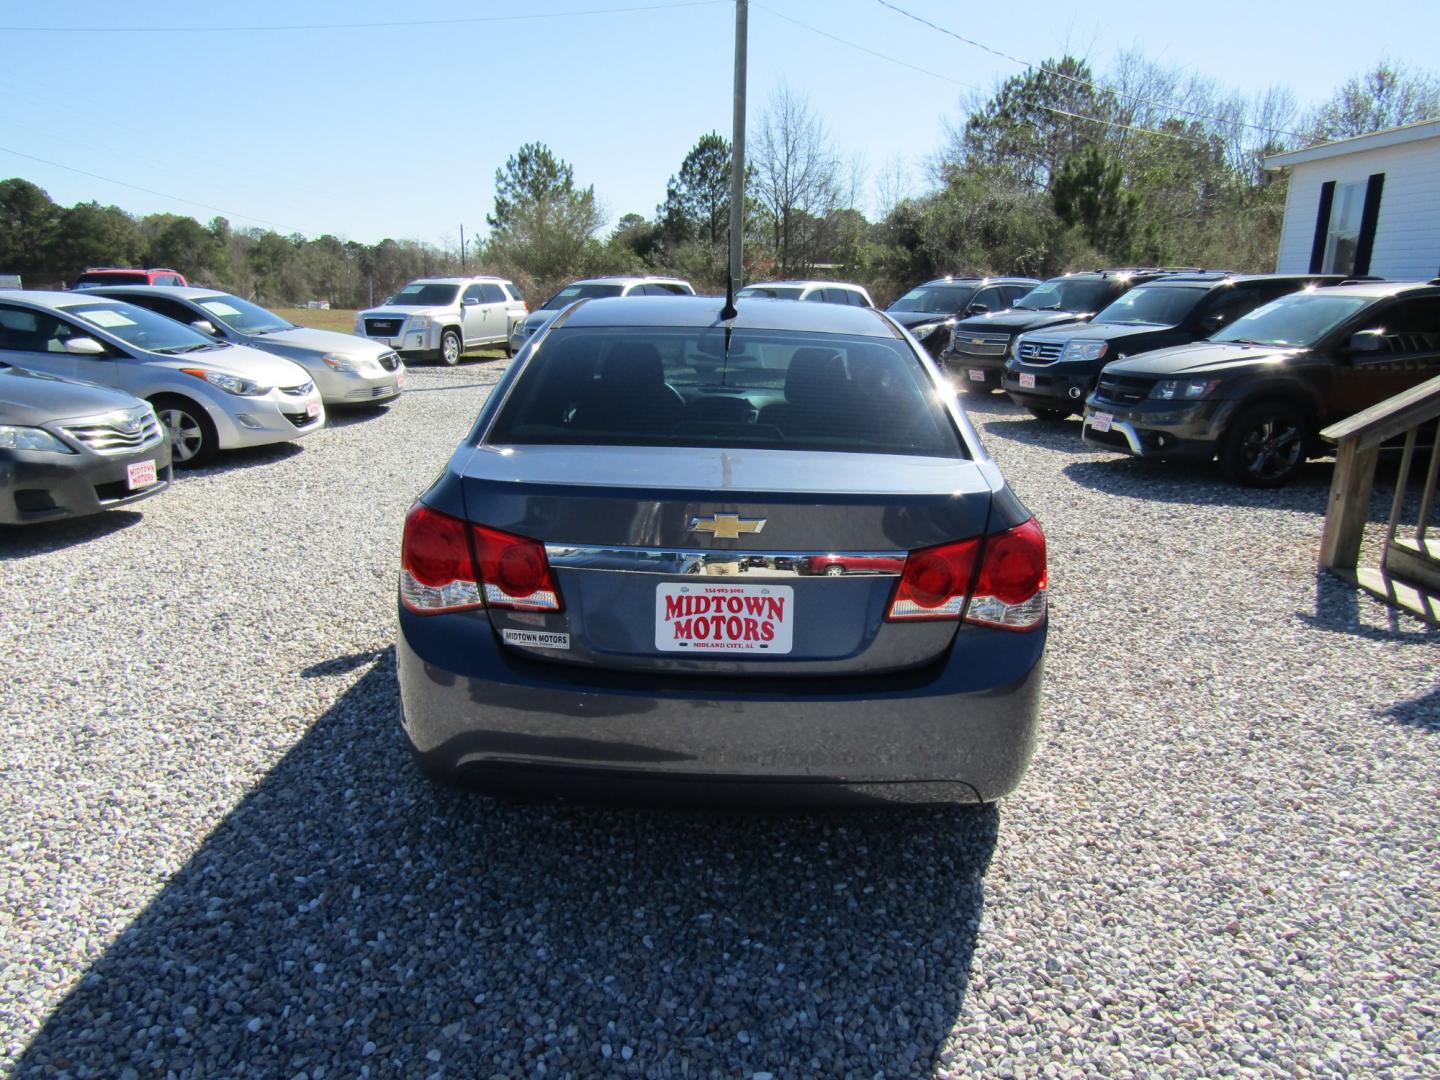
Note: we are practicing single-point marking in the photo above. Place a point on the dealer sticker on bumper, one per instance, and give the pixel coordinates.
(536, 639)
(1101, 421)
(976, 376)
(140, 474)
(1027, 381)
(693, 617)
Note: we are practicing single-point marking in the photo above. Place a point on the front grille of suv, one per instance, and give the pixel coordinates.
(968, 343)
(118, 434)
(1123, 390)
(1039, 352)
(383, 327)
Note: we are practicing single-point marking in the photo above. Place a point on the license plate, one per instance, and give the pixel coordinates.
(400, 380)
(312, 407)
(720, 618)
(140, 474)
(977, 376)
(1101, 421)
(1027, 381)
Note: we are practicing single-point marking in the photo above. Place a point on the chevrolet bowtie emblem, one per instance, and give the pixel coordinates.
(726, 526)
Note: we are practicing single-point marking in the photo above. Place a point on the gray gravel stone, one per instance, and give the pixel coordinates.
(217, 859)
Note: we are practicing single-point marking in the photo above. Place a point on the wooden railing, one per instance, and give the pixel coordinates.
(1408, 574)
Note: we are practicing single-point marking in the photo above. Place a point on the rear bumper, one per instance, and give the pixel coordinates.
(961, 729)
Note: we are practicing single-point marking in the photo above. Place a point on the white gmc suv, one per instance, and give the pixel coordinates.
(443, 317)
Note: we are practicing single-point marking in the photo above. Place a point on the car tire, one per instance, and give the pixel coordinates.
(834, 571)
(451, 347)
(1042, 413)
(1264, 446)
(193, 438)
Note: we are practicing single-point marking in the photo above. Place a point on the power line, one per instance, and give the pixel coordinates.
(148, 191)
(357, 26)
(972, 86)
(1169, 105)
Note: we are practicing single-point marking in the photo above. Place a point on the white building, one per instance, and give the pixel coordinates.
(1367, 205)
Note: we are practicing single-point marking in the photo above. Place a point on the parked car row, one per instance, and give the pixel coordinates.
(1202, 365)
(106, 389)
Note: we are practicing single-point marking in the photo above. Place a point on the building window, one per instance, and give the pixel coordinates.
(1343, 235)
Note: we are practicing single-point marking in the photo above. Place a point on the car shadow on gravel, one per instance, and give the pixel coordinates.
(347, 912)
(351, 415)
(1199, 483)
(27, 541)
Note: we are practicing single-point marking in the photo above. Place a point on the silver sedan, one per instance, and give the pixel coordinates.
(347, 370)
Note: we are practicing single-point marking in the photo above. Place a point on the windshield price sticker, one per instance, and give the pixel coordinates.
(694, 617)
(1100, 421)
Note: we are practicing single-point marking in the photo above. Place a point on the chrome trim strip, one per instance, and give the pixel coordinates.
(672, 563)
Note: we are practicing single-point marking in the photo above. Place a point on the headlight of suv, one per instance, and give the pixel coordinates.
(231, 384)
(1084, 350)
(13, 437)
(925, 329)
(336, 362)
(418, 322)
(1184, 389)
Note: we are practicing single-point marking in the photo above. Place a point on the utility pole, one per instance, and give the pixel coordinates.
(462, 249)
(737, 162)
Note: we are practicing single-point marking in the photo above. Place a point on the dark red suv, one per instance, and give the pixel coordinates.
(110, 275)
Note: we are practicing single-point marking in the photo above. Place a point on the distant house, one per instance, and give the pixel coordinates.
(1367, 205)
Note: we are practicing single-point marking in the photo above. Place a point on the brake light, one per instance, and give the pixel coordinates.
(1009, 582)
(437, 572)
(440, 556)
(514, 570)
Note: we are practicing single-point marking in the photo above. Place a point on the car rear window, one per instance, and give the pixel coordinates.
(646, 386)
(1161, 305)
(111, 278)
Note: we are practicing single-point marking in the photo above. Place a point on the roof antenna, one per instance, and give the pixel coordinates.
(737, 166)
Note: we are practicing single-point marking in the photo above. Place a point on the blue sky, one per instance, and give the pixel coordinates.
(398, 130)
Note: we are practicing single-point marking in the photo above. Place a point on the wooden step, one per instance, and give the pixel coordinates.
(1415, 561)
(1415, 599)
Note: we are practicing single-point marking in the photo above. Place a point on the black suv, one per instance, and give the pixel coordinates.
(1258, 391)
(1051, 371)
(929, 311)
(979, 346)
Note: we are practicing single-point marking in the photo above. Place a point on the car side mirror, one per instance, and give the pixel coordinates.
(84, 346)
(470, 301)
(977, 309)
(1366, 343)
(205, 326)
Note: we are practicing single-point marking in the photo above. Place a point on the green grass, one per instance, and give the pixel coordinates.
(342, 319)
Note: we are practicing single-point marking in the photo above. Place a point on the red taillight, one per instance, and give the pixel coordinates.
(438, 559)
(1010, 581)
(934, 582)
(515, 571)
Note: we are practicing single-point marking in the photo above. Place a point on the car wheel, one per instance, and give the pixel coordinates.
(450, 347)
(834, 571)
(1265, 445)
(1041, 413)
(193, 440)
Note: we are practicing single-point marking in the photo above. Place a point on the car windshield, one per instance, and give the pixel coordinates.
(774, 390)
(571, 293)
(244, 316)
(1300, 319)
(941, 299)
(422, 295)
(142, 328)
(1068, 294)
(1160, 306)
(772, 292)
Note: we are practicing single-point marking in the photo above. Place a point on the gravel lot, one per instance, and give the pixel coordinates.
(218, 859)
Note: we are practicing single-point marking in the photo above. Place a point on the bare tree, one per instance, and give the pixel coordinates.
(797, 178)
(1388, 95)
